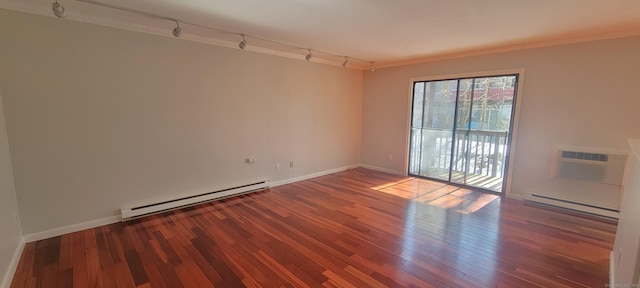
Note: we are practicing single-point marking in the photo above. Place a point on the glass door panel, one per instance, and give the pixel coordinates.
(432, 128)
(490, 129)
(460, 161)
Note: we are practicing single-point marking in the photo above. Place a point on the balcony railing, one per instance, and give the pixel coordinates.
(479, 153)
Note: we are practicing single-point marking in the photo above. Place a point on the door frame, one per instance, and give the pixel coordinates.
(515, 120)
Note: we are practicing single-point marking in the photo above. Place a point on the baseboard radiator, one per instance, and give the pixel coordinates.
(572, 205)
(138, 211)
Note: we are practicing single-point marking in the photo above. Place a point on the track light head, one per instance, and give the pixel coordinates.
(372, 67)
(177, 32)
(58, 10)
(243, 43)
(346, 62)
(308, 57)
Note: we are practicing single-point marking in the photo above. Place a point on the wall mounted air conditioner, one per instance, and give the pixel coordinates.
(597, 165)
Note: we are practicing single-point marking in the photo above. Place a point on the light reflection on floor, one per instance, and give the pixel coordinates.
(438, 194)
(481, 230)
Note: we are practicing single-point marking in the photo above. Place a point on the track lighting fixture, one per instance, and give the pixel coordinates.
(177, 32)
(58, 10)
(243, 43)
(308, 57)
(346, 62)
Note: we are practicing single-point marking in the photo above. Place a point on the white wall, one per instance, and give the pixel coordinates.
(625, 257)
(99, 117)
(9, 224)
(582, 94)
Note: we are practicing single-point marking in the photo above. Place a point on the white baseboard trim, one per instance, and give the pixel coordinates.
(13, 265)
(386, 170)
(71, 228)
(313, 175)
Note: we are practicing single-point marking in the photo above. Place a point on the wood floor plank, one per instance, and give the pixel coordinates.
(123, 275)
(204, 266)
(154, 275)
(190, 265)
(94, 273)
(79, 258)
(358, 228)
(135, 267)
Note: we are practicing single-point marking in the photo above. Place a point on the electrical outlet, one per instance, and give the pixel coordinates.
(390, 156)
(277, 166)
(291, 164)
(15, 217)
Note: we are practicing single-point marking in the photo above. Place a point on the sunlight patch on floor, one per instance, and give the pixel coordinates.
(438, 194)
(389, 184)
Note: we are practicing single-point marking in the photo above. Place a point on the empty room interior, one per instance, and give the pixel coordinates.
(319, 143)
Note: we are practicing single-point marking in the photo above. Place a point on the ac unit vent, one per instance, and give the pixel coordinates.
(585, 156)
(597, 165)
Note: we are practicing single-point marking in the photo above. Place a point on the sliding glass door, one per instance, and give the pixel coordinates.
(434, 109)
(460, 130)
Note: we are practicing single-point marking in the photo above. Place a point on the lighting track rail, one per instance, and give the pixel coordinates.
(59, 11)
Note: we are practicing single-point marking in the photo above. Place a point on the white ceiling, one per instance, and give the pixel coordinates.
(385, 31)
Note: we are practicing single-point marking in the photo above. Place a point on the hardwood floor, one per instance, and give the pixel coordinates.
(358, 228)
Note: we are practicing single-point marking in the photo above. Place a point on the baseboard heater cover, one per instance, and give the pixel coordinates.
(563, 203)
(129, 213)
